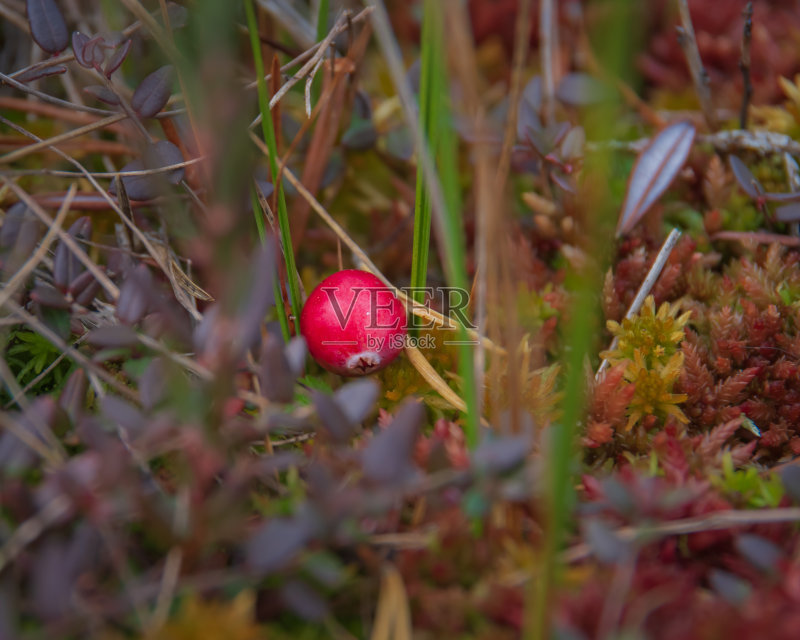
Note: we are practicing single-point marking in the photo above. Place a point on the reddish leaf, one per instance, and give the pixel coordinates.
(653, 172)
(48, 28)
(153, 92)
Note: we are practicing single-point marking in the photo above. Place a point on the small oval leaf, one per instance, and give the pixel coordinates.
(41, 72)
(48, 28)
(66, 266)
(117, 58)
(747, 181)
(388, 457)
(653, 172)
(580, 90)
(79, 49)
(103, 94)
(153, 92)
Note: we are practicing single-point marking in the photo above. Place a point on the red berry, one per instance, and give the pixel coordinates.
(353, 323)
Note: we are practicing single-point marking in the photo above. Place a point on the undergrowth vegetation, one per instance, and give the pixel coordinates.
(589, 211)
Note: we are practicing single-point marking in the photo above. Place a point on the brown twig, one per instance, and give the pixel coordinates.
(744, 63)
(53, 111)
(688, 42)
(67, 135)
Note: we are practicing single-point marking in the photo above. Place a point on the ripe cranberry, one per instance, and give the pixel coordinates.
(353, 323)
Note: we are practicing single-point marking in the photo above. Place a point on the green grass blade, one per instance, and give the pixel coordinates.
(428, 106)
(322, 30)
(272, 147)
(437, 125)
(276, 282)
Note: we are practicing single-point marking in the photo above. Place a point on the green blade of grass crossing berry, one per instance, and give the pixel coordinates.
(269, 139)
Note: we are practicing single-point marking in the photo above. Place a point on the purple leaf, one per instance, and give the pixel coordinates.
(83, 56)
(653, 172)
(48, 28)
(356, 399)
(790, 477)
(134, 295)
(120, 412)
(782, 197)
(277, 383)
(117, 58)
(153, 92)
(304, 601)
(332, 417)
(296, 352)
(51, 584)
(788, 213)
(84, 288)
(729, 586)
(580, 90)
(275, 544)
(257, 301)
(41, 72)
(760, 552)
(48, 296)
(573, 143)
(20, 230)
(361, 135)
(604, 542)
(747, 181)
(153, 383)
(565, 182)
(499, 455)
(388, 456)
(103, 94)
(73, 395)
(529, 107)
(113, 337)
(176, 13)
(66, 266)
(149, 186)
